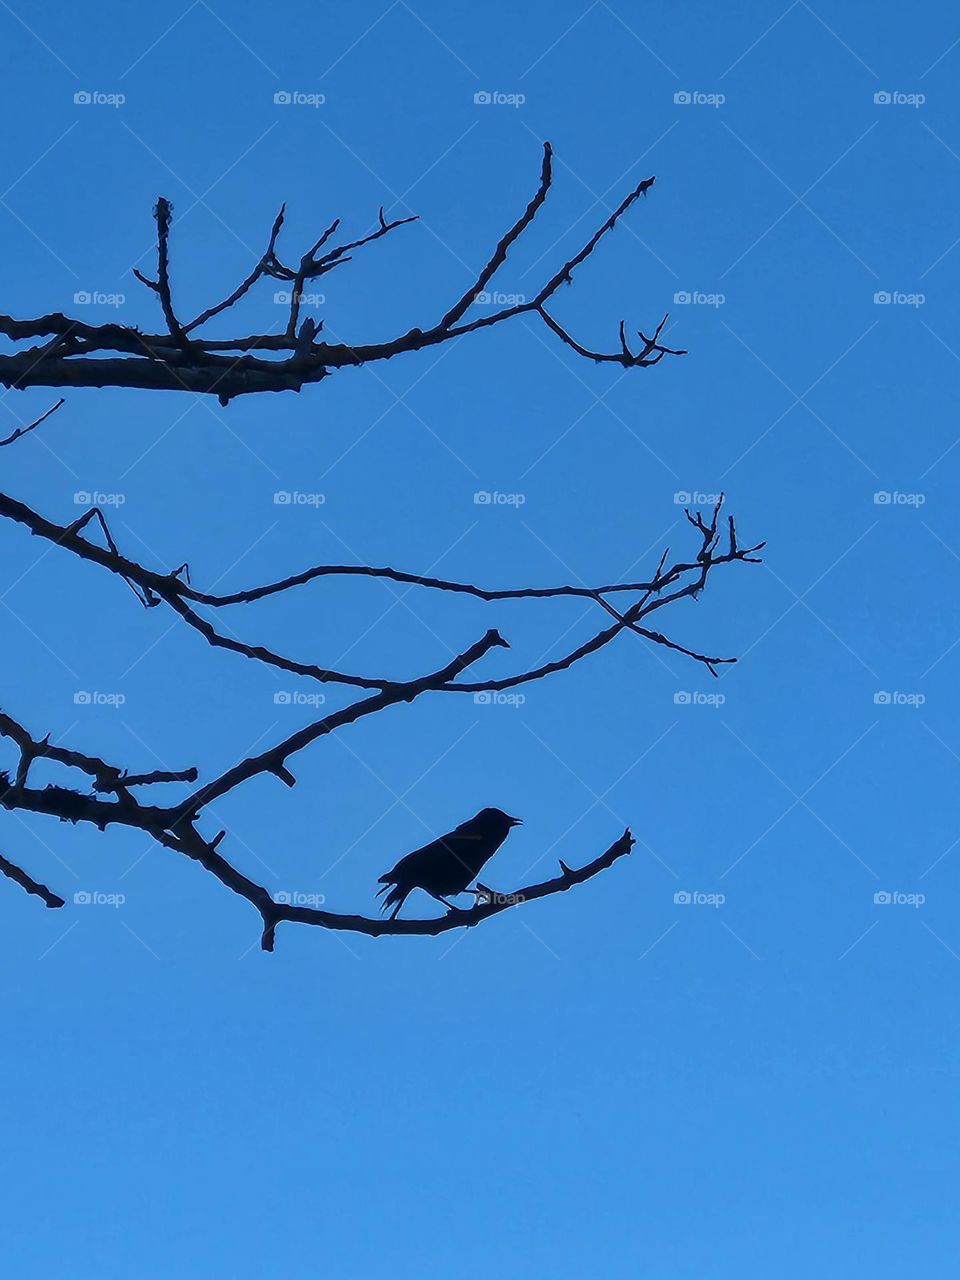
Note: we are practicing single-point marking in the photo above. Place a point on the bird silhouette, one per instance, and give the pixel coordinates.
(450, 863)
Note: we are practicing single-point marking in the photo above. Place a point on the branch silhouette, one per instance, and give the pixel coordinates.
(174, 588)
(28, 884)
(176, 826)
(71, 353)
(108, 794)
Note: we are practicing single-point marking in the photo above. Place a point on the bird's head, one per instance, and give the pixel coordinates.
(497, 818)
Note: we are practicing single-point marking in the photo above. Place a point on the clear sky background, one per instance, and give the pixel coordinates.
(609, 1082)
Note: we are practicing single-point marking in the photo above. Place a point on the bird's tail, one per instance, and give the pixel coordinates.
(396, 897)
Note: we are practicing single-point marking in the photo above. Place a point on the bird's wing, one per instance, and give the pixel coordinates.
(466, 831)
(414, 863)
(411, 861)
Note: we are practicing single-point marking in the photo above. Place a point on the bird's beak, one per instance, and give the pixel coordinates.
(516, 822)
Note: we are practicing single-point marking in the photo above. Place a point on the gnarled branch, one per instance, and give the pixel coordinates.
(73, 353)
(489, 903)
(175, 827)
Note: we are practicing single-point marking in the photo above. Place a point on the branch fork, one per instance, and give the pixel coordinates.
(78, 354)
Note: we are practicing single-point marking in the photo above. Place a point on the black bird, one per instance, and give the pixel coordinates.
(449, 864)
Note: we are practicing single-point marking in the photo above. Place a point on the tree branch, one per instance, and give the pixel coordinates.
(275, 759)
(489, 902)
(181, 360)
(107, 778)
(26, 882)
(22, 431)
(174, 827)
(152, 587)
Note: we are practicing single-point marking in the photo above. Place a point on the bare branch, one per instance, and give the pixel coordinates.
(489, 902)
(181, 360)
(68, 352)
(106, 777)
(50, 899)
(151, 587)
(651, 353)
(174, 827)
(163, 213)
(274, 760)
(499, 255)
(267, 265)
(22, 431)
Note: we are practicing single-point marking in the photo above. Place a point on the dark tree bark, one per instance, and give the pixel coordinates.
(72, 353)
(112, 794)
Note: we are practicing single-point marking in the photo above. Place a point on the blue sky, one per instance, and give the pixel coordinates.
(611, 1081)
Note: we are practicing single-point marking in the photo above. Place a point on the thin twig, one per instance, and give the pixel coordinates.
(22, 431)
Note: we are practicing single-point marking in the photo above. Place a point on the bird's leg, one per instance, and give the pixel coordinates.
(440, 898)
